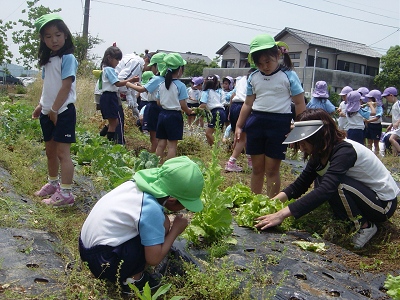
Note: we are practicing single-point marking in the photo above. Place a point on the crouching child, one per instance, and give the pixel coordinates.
(127, 228)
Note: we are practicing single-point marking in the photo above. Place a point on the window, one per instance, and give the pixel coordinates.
(296, 64)
(228, 63)
(295, 55)
(320, 63)
(352, 67)
(372, 71)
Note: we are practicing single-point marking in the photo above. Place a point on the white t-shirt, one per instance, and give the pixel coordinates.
(121, 215)
(212, 98)
(53, 73)
(169, 99)
(240, 90)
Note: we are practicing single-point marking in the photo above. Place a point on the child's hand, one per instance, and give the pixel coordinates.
(179, 224)
(134, 79)
(36, 112)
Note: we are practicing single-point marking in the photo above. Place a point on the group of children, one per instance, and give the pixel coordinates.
(360, 115)
(127, 229)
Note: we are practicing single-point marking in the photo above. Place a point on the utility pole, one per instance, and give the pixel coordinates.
(85, 31)
(313, 74)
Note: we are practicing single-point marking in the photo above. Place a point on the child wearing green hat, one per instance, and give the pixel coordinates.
(266, 113)
(127, 228)
(150, 117)
(171, 96)
(56, 109)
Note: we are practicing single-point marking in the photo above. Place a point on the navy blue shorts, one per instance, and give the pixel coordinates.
(222, 118)
(105, 261)
(170, 125)
(266, 133)
(373, 131)
(109, 105)
(64, 131)
(150, 116)
(356, 135)
(234, 114)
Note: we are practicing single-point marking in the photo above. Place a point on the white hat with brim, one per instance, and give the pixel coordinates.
(303, 130)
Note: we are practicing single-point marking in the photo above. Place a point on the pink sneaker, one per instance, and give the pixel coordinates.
(58, 200)
(46, 190)
(232, 167)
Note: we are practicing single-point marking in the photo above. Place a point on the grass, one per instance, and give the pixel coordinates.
(24, 159)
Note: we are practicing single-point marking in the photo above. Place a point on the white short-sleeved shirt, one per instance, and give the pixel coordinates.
(356, 121)
(342, 121)
(240, 90)
(121, 215)
(396, 116)
(169, 99)
(53, 73)
(193, 94)
(152, 87)
(274, 92)
(129, 66)
(109, 78)
(379, 113)
(212, 99)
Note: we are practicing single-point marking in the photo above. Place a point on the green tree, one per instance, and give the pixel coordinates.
(5, 53)
(390, 65)
(194, 67)
(27, 38)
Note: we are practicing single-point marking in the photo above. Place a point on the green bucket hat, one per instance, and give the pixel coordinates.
(178, 177)
(157, 58)
(262, 42)
(43, 20)
(174, 61)
(146, 77)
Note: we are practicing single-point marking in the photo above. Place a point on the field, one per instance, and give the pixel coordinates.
(23, 170)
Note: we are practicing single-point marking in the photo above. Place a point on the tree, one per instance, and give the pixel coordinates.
(5, 53)
(390, 65)
(27, 38)
(194, 67)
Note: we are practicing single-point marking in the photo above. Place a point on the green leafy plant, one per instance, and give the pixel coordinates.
(214, 222)
(146, 293)
(392, 284)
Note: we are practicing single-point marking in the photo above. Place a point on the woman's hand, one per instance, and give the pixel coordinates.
(267, 221)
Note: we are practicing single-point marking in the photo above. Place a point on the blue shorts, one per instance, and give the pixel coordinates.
(64, 131)
(109, 105)
(150, 116)
(356, 135)
(373, 131)
(170, 125)
(105, 261)
(266, 133)
(234, 114)
(222, 117)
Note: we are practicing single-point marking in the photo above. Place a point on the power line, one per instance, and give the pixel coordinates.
(183, 16)
(358, 9)
(339, 15)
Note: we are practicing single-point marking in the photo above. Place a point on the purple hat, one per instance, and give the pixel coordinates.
(377, 95)
(230, 81)
(197, 80)
(321, 90)
(346, 90)
(389, 91)
(353, 101)
(363, 91)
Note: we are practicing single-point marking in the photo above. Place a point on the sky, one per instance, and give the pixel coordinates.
(206, 26)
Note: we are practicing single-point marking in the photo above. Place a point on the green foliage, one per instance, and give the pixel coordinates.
(310, 246)
(249, 206)
(15, 120)
(5, 53)
(194, 67)
(27, 38)
(146, 294)
(392, 284)
(390, 65)
(213, 223)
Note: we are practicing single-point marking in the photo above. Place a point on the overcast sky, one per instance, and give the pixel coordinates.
(205, 26)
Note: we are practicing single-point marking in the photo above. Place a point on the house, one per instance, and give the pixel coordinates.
(315, 57)
(190, 56)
